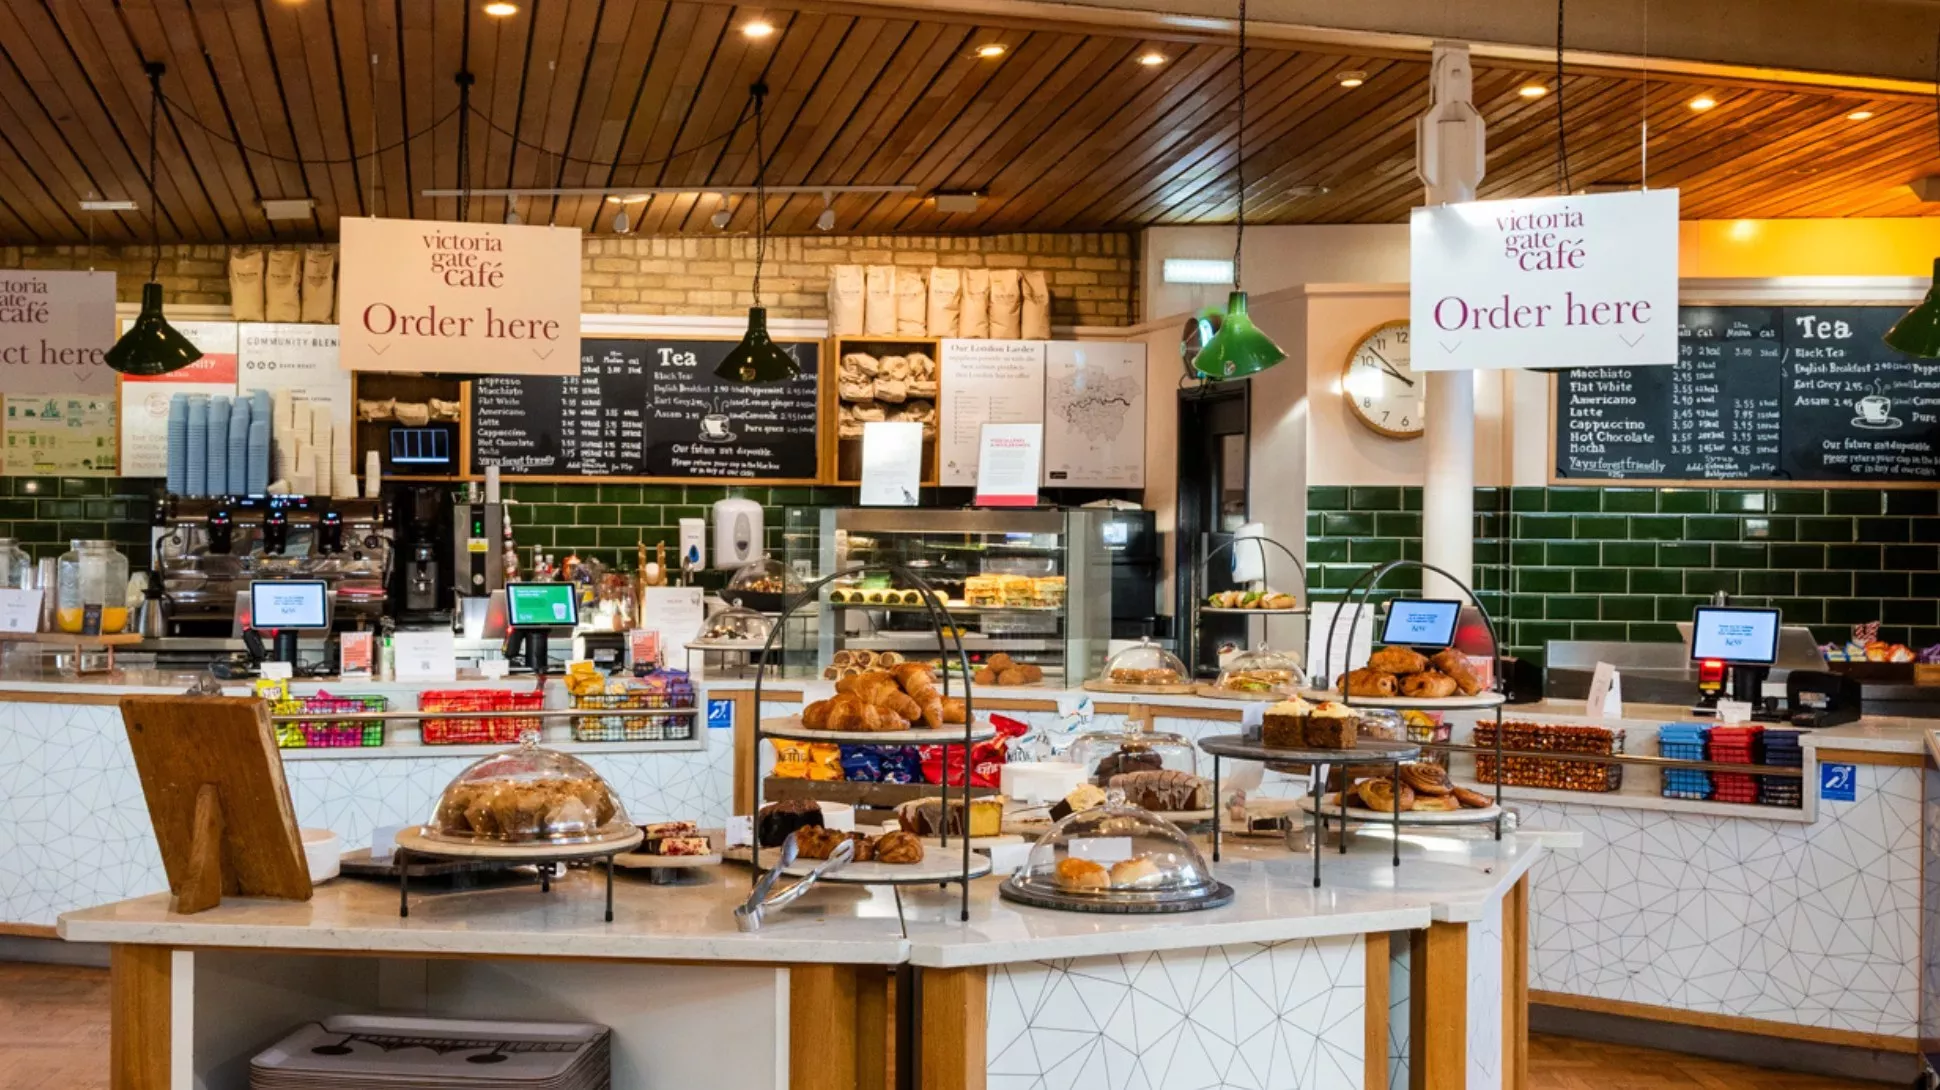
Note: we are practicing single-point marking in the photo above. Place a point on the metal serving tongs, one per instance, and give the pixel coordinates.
(750, 915)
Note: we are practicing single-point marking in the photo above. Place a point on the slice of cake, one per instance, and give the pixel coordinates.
(1333, 726)
(1284, 725)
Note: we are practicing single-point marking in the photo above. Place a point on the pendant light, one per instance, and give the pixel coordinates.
(758, 359)
(152, 346)
(1239, 349)
(1917, 333)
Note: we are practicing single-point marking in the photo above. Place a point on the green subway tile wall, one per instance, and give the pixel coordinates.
(45, 513)
(1628, 563)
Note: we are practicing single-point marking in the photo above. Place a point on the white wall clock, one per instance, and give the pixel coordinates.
(1381, 390)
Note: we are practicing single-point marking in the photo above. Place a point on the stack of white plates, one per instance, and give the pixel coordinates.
(368, 1052)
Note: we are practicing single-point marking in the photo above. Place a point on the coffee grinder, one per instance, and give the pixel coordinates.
(421, 589)
(478, 546)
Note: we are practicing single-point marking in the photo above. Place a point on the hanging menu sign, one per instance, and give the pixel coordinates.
(1799, 393)
(650, 408)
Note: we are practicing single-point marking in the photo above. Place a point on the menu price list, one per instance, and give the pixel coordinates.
(1788, 393)
(709, 427)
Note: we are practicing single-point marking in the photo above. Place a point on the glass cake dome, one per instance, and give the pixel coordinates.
(737, 624)
(1116, 858)
(764, 585)
(1270, 674)
(1107, 753)
(1145, 664)
(529, 795)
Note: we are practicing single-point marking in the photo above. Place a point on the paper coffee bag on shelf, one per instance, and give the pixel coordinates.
(879, 301)
(1037, 307)
(246, 286)
(946, 301)
(912, 303)
(973, 320)
(319, 285)
(845, 301)
(1006, 305)
(282, 294)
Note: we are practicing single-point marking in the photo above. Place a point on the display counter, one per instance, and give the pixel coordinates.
(1288, 985)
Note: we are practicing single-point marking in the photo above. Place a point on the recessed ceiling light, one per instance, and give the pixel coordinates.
(991, 51)
(1532, 90)
(1702, 103)
(757, 29)
(1860, 115)
(499, 9)
(1152, 59)
(630, 198)
(1353, 77)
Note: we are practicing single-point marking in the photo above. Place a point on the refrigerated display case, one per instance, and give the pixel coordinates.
(1035, 585)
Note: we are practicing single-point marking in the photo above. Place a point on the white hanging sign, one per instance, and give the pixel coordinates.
(55, 332)
(1587, 281)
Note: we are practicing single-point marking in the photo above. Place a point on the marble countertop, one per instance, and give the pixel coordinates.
(1443, 876)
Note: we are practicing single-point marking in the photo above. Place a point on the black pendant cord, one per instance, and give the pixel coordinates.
(1239, 155)
(155, 70)
(759, 92)
(464, 80)
(1562, 136)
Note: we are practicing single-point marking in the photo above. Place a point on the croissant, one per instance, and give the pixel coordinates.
(1397, 660)
(1455, 664)
(913, 676)
(955, 711)
(1366, 681)
(846, 712)
(816, 715)
(884, 694)
(867, 677)
(1428, 683)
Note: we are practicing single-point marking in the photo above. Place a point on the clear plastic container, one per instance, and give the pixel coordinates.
(91, 589)
(528, 795)
(1266, 672)
(15, 565)
(1116, 858)
(764, 585)
(1107, 753)
(737, 625)
(1145, 663)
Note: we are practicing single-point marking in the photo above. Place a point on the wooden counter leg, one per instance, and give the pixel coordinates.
(1515, 987)
(138, 1020)
(1438, 1008)
(952, 1036)
(822, 1027)
(1376, 1045)
(873, 1019)
(745, 712)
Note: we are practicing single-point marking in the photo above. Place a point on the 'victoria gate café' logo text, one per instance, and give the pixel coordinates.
(1537, 245)
(461, 261)
(465, 261)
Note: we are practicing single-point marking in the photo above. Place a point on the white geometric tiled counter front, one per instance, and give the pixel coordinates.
(1815, 924)
(1250, 1015)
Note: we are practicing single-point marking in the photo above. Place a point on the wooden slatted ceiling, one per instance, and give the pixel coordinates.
(1066, 132)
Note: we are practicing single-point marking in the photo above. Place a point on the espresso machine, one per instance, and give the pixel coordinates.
(208, 550)
(421, 581)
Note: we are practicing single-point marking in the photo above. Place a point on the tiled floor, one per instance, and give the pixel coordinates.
(54, 1036)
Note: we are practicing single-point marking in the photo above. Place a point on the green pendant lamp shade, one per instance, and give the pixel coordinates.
(1239, 349)
(757, 358)
(152, 346)
(1917, 333)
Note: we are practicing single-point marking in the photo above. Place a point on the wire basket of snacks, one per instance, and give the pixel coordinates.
(324, 732)
(501, 730)
(668, 692)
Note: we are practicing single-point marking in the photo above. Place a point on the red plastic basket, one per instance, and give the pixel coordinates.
(459, 732)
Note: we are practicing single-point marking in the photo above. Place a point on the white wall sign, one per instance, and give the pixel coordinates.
(1094, 400)
(55, 328)
(985, 382)
(1009, 459)
(478, 298)
(892, 463)
(144, 401)
(1585, 281)
(676, 613)
(301, 358)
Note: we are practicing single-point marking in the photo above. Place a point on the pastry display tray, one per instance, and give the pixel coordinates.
(1331, 809)
(790, 726)
(941, 866)
(1180, 689)
(1365, 750)
(1421, 703)
(418, 841)
(1116, 902)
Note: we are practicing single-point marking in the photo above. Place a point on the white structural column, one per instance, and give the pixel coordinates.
(1449, 160)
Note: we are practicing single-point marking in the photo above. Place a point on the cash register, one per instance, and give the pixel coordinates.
(284, 608)
(534, 613)
(1734, 649)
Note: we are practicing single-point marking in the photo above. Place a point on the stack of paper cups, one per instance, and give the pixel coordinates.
(302, 475)
(259, 454)
(491, 484)
(373, 474)
(197, 482)
(343, 476)
(284, 416)
(320, 449)
(238, 470)
(178, 444)
(218, 446)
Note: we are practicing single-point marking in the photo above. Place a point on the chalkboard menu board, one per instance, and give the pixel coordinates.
(1797, 393)
(649, 408)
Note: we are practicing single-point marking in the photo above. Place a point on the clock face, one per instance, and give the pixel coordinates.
(1382, 391)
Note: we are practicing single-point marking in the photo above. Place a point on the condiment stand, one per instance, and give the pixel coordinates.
(1364, 587)
(973, 732)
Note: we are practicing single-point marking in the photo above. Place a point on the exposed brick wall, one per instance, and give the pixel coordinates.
(1093, 277)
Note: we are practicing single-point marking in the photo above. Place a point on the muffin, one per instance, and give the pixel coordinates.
(1082, 875)
(1284, 725)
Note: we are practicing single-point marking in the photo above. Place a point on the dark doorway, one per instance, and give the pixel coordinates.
(1213, 473)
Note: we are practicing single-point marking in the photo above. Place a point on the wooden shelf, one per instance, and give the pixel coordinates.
(883, 796)
(70, 639)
